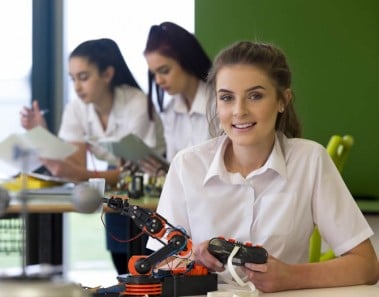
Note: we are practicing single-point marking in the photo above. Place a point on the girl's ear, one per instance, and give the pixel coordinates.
(287, 96)
(109, 73)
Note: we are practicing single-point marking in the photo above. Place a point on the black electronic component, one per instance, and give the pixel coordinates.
(247, 253)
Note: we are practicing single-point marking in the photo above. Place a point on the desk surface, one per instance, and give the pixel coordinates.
(62, 202)
(353, 291)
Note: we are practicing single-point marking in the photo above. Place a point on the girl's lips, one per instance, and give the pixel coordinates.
(81, 96)
(243, 126)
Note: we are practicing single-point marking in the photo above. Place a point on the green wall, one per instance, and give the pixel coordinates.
(333, 50)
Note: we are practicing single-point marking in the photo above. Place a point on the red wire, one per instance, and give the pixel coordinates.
(114, 237)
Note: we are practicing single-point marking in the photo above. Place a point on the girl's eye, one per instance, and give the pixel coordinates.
(225, 97)
(164, 70)
(83, 76)
(255, 96)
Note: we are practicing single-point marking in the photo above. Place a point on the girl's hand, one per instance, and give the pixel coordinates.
(152, 167)
(272, 276)
(32, 117)
(203, 257)
(65, 169)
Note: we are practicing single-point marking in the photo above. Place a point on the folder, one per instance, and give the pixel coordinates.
(132, 148)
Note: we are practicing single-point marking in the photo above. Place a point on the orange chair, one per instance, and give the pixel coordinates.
(338, 148)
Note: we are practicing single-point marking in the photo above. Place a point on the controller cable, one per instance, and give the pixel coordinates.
(253, 292)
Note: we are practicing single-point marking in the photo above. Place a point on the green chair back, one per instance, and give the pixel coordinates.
(338, 148)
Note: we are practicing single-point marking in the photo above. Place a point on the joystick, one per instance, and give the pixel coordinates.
(248, 253)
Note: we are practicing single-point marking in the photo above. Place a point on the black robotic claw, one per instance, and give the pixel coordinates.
(222, 248)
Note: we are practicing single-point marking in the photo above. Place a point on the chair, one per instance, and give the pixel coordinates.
(338, 148)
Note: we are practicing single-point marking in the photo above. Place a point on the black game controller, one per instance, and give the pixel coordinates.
(247, 253)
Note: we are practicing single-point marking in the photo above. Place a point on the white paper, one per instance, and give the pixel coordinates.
(132, 148)
(22, 151)
(49, 178)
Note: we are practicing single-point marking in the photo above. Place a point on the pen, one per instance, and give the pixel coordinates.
(43, 111)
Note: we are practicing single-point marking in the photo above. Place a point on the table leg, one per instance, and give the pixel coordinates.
(44, 239)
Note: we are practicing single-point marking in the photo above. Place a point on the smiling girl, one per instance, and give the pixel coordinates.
(260, 182)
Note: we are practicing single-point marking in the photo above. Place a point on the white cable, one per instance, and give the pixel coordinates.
(231, 266)
(235, 293)
(253, 291)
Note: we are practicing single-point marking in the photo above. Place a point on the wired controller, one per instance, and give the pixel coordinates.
(247, 253)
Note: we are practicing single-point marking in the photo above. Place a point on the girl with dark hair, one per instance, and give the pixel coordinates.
(110, 106)
(260, 182)
(178, 66)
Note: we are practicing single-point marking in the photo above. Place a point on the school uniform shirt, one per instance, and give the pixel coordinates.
(183, 128)
(80, 123)
(275, 206)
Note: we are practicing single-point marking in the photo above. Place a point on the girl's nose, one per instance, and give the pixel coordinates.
(239, 108)
(77, 85)
(158, 79)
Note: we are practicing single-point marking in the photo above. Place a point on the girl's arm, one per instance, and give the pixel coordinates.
(356, 267)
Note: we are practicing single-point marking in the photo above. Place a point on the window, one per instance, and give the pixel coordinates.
(15, 70)
(126, 22)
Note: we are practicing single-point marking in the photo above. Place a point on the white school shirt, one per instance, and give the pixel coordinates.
(275, 206)
(80, 123)
(183, 128)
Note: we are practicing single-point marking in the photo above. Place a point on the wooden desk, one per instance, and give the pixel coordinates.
(46, 200)
(353, 291)
(53, 204)
(42, 208)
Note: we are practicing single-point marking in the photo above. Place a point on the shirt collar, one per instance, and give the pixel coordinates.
(276, 162)
(217, 166)
(199, 104)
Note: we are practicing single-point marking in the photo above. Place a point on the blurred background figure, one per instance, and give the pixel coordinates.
(111, 105)
(178, 67)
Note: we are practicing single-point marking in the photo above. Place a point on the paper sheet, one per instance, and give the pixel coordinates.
(22, 151)
(132, 148)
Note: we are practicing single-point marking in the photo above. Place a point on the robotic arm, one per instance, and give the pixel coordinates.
(194, 280)
(177, 242)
